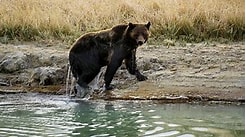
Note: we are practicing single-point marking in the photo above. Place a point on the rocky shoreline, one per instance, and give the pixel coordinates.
(177, 73)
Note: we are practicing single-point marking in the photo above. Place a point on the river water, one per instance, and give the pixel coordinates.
(38, 115)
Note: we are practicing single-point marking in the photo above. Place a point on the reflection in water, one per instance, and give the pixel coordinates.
(46, 115)
(105, 117)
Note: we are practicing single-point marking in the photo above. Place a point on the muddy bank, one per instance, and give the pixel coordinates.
(184, 72)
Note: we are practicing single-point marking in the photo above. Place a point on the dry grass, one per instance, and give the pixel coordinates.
(193, 20)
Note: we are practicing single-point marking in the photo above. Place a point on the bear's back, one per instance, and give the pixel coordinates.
(105, 37)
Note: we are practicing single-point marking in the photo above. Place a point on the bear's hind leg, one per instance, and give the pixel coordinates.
(83, 90)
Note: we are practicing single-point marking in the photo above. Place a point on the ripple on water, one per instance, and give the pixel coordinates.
(42, 117)
(173, 125)
(200, 129)
(186, 135)
(155, 117)
(110, 127)
(156, 129)
(135, 112)
(151, 111)
(19, 131)
(165, 134)
(145, 126)
(100, 135)
(159, 123)
(219, 132)
(140, 116)
(140, 121)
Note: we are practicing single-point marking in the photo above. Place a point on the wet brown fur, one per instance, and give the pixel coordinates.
(97, 49)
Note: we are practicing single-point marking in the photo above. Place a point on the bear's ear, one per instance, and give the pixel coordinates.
(131, 26)
(148, 25)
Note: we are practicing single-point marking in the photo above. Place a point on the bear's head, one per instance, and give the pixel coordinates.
(138, 34)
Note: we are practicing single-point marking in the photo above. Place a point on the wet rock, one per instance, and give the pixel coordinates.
(47, 76)
(3, 83)
(16, 58)
(20, 78)
(13, 62)
(52, 59)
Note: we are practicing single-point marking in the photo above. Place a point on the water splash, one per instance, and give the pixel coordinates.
(84, 93)
(67, 79)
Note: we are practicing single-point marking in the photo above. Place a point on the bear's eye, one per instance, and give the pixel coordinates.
(145, 34)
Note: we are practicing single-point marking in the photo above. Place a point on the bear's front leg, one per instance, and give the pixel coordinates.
(140, 76)
(131, 65)
(110, 71)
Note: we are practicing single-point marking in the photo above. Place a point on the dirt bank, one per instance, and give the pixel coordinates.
(184, 72)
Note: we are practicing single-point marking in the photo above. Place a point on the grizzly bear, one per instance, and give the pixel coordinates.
(108, 48)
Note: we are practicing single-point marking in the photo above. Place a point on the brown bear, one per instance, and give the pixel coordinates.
(107, 48)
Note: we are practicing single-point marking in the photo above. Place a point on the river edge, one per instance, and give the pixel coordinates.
(177, 72)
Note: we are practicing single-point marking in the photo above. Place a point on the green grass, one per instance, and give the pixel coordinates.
(189, 20)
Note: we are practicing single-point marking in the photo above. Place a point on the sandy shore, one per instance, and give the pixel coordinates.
(179, 73)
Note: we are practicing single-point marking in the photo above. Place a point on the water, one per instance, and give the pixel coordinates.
(49, 115)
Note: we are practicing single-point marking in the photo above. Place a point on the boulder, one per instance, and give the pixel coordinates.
(14, 62)
(47, 76)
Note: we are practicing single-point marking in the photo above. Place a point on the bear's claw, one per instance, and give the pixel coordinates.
(141, 78)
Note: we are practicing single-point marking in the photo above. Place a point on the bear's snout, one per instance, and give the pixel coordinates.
(140, 43)
(140, 40)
